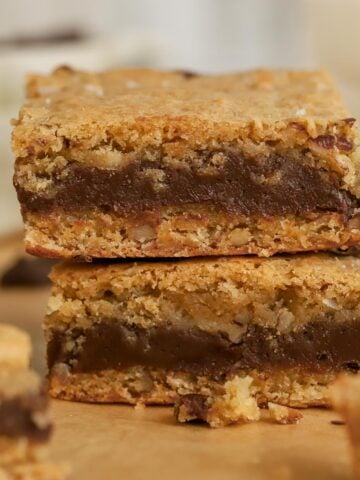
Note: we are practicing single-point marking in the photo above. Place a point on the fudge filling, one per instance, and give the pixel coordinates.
(20, 417)
(319, 346)
(263, 186)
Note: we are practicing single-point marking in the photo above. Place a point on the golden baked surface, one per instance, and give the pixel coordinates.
(225, 293)
(311, 270)
(87, 108)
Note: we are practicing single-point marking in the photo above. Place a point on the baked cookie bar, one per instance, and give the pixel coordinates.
(143, 163)
(277, 330)
(25, 426)
(345, 397)
(15, 347)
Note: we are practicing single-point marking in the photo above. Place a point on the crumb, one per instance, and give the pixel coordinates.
(284, 415)
(234, 405)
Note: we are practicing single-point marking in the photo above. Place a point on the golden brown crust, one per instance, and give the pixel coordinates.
(196, 231)
(138, 385)
(318, 268)
(226, 293)
(154, 103)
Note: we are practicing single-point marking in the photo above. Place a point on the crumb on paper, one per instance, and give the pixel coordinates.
(284, 415)
(235, 404)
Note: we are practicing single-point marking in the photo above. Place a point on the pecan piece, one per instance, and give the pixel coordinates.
(325, 141)
(344, 144)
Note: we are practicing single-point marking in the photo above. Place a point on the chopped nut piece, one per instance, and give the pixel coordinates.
(143, 233)
(240, 236)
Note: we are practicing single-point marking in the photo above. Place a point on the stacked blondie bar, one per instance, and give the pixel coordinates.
(135, 170)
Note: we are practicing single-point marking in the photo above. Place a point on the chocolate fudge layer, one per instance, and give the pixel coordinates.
(25, 427)
(149, 331)
(143, 163)
(318, 346)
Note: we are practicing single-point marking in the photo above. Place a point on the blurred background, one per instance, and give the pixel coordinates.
(202, 35)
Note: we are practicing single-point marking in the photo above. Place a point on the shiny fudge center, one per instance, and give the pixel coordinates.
(319, 346)
(265, 185)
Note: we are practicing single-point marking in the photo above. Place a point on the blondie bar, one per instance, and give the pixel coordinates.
(143, 163)
(151, 331)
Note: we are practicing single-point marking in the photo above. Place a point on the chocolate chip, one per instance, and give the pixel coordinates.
(195, 405)
(352, 366)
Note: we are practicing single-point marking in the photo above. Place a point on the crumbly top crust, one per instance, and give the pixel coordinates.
(345, 397)
(15, 347)
(227, 293)
(86, 108)
(311, 270)
(15, 383)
